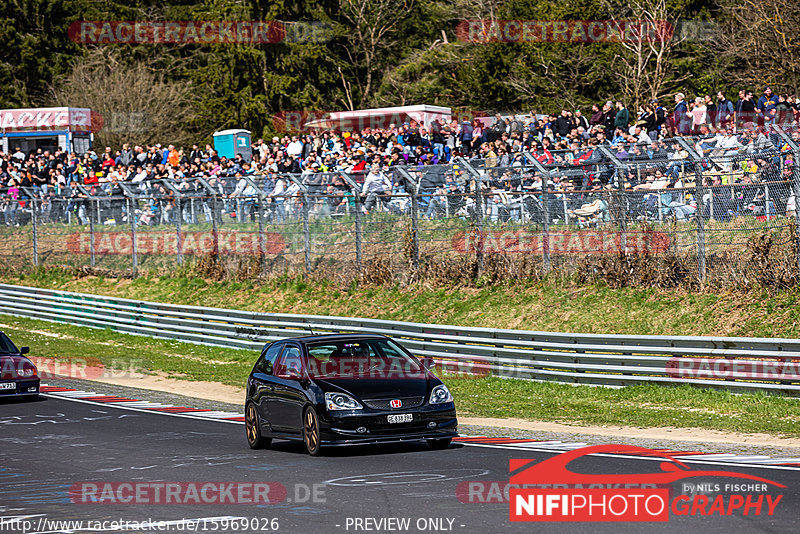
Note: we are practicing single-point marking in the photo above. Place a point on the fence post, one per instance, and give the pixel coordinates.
(91, 235)
(796, 190)
(546, 222)
(262, 242)
(698, 194)
(132, 219)
(618, 195)
(701, 231)
(412, 188)
(179, 240)
(355, 189)
(415, 229)
(215, 225)
(358, 229)
(477, 212)
(306, 235)
(34, 224)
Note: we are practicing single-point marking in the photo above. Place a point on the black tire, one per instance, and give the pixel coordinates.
(311, 439)
(439, 444)
(252, 427)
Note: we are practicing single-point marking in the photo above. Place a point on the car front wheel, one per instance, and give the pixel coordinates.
(252, 426)
(311, 432)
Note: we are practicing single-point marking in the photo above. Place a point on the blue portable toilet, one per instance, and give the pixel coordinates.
(228, 143)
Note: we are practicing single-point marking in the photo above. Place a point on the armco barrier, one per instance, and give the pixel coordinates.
(743, 364)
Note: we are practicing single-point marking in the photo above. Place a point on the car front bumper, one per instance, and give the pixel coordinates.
(22, 388)
(356, 427)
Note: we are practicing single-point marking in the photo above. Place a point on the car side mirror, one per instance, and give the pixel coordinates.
(24, 350)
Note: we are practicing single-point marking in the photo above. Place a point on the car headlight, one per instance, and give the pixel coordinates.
(28, 372)
(341, 401)
(441, 395)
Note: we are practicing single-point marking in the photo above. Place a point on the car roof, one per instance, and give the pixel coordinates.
(333, 337)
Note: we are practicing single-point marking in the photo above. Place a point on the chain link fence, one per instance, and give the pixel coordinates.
(680, 211)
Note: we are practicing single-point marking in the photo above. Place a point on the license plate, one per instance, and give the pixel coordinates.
(401, 418)
(8, 385)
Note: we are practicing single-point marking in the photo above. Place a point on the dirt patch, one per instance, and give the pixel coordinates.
(190, 388)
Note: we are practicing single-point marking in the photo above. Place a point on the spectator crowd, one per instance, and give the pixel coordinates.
(332, 172)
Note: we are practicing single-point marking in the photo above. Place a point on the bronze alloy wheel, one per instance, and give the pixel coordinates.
(253, 429)
(311, 432)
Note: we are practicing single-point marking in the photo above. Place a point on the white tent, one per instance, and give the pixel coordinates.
(381, 118)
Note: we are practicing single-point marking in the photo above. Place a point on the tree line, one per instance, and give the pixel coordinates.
(379, 53)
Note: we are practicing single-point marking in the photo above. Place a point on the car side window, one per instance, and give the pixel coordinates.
(290, 360)
(267, 361)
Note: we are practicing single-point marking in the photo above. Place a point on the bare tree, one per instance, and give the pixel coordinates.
(648, 41)
(137, 105)
(568, 72)
(762, 42)
(371, 25)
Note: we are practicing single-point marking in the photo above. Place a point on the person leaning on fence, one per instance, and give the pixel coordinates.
(376, 185)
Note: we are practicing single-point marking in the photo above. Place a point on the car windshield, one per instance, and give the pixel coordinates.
(374, 358)
(6, 346)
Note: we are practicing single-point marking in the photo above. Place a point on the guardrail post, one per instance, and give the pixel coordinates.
(306, 235)
(132, 219)
(34, 224)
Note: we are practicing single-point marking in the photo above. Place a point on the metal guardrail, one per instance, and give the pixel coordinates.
(743, 364)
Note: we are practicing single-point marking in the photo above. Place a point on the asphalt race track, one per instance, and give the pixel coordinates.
(49, 446)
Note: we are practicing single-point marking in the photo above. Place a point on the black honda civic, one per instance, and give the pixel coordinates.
(345, 389)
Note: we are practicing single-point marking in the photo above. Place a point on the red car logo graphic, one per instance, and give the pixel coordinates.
(396, 403)
(554, 470)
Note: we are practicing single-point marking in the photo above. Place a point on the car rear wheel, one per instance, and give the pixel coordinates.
(252, 426)
(439, 444)
(311, 432)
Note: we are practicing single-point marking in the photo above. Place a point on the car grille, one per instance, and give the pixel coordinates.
(384, 404)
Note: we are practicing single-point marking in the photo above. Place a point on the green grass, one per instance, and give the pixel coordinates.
(639, 406)
(549, 305)
(122, 352)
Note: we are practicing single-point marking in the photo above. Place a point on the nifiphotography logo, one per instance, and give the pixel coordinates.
(549, 491)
